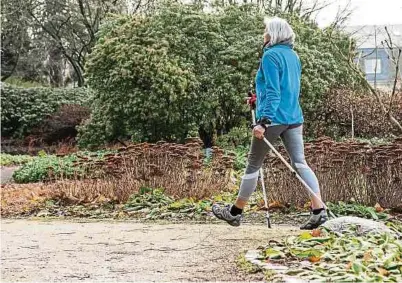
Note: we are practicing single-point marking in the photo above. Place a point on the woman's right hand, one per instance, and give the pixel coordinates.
(258, 132)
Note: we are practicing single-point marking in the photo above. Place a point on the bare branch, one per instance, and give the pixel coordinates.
(376, 58)
(137, 6)
(88, 6)
(85, 20)
(393, 94)
(342, 15)
(389, 36)
(368, 54)
(62, 24)
(315, 8)
(372, 90)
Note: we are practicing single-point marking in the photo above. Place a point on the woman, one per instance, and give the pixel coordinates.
(279, 115)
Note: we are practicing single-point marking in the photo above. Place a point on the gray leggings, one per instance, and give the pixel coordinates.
(292, 138)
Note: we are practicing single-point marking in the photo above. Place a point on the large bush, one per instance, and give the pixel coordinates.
(143, 90)
(181, 69)
(23, 109)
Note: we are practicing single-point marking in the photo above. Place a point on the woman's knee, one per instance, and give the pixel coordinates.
(300, 164)
(248, 185)
(254, 163)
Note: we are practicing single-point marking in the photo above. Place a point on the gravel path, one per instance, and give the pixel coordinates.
(126, 251)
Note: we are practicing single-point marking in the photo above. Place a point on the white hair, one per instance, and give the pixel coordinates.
(279, 30)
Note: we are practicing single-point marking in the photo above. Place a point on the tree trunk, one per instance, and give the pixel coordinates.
(207, 137)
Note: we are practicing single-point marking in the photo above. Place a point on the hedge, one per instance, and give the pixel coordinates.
(23, 109)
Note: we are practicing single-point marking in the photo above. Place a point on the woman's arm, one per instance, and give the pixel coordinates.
(270, 69)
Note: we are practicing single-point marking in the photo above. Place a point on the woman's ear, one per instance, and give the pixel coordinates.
(267, 38)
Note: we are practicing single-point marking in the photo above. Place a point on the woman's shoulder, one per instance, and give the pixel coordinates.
(271, 55)
(277, 53)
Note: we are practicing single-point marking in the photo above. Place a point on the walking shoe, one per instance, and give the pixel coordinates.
(315, 221)
(223, 213)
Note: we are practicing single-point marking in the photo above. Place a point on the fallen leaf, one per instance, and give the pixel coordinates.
(314, 258)
(307, 205)
(273, 254)
(316, 233)
(261, 203)
(357, 268)
(367, 256)
(378, 208)
(275, 204)
(305, 235)
(383, 271)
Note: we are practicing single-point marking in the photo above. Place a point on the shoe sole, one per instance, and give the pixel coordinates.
(315, 226)
(231, 223)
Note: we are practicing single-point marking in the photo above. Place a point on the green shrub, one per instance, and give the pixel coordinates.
(40, 168)
(45, 167)
(355, 209)
(141, 88)
(22, 109)
(237, 136)
(8, 159)
(240, 157)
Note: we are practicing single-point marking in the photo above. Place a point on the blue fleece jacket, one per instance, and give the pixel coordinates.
(278, 86)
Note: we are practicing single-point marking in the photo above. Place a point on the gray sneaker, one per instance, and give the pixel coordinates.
(223, 213)
(315, 221)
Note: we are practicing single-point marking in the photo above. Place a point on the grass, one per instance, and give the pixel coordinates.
(246, 266)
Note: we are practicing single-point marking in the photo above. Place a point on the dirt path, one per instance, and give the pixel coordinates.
(125, 251)
(6, 174)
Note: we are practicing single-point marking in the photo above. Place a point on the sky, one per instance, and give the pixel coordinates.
(365, 12)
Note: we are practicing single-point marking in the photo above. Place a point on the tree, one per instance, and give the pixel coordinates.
(70, 26)
(14, 37)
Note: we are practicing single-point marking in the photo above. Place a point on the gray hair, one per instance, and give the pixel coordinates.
(279, 30)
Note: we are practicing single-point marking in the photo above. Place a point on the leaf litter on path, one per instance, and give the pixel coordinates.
(325, 256)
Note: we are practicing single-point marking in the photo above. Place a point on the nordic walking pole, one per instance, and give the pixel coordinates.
(262, 176)
(294, 172)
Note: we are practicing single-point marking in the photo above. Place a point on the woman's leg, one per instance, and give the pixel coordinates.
(293, 141)
(258, 151)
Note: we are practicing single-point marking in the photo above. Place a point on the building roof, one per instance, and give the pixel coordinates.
(366, 35)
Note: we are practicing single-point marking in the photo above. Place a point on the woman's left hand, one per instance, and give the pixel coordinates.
(258, 132)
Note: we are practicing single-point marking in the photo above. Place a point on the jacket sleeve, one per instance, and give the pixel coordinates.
(270, 69)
